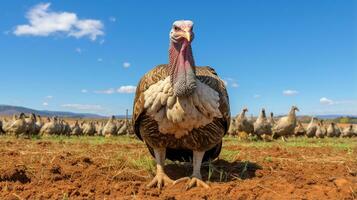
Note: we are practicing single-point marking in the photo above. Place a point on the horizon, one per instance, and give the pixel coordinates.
(88, 57)
(100, 115)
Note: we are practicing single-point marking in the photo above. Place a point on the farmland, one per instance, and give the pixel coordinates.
(60, 167)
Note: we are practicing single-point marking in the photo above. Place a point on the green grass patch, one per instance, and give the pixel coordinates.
(229, 155)
(338, 143)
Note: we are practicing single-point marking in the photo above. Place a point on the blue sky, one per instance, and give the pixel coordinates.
(88, 56)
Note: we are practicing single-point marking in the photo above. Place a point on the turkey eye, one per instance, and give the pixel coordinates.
(176, 28)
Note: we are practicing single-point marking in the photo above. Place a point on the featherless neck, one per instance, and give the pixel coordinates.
(292, 113)
(242, 114)
(182, 68)
(177, 49)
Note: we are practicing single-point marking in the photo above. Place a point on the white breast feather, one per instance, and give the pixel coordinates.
(179, 116)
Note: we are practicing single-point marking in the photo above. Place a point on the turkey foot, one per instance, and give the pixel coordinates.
(160, 180)
(192, 182)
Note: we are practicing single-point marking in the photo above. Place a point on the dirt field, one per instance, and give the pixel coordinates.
(120, 168)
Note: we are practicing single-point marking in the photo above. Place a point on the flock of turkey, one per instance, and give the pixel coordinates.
(264, 128)
(34, 125)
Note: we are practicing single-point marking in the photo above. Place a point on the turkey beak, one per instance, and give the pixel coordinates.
(187, 35)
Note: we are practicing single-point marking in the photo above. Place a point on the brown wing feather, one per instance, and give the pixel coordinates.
(158, 73)
(209, 76)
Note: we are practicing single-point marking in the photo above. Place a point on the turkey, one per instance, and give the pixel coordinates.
(76, 129)
(99, 128)
(181, 111)
(110, 128)
(348, 131)
(66, 128)
(18, 126)
(299, 129)
(331, 130)
(123, 128)
(311, 128)
(88, 128)
(51, 127)
(355, 130)
(31, 125)
(285, 126)
(321, 130)
(261, 125)
(7, 123)
(337, 131)
(242, 123)
(38, 124)
(271, 119)
(233, 130)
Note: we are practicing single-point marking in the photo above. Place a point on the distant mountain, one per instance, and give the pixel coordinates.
(10, 110)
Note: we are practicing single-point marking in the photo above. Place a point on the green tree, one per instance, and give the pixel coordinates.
(344, 120)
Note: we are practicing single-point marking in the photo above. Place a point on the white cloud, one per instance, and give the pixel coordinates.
(49, 97)
(44, 22)
(326, 101)
(112, 19)
(45, 104)
(235, 85)
(78, 50)
(84, 91)
(100, 59)
(257, 96)
(127, 89)
(126, 64)
(88, 107)
(290, 92)
(108, 91)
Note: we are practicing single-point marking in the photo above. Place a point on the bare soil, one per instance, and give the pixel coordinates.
(85, 169)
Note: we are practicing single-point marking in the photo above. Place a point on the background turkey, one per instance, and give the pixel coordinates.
(123, 129)
(99, 128)
(18, 126)
(348, 131)
(261, 125)
(181, 111)
(51, 127)
(321, 130)
(271, 119)
(233, 129)
(355, 130)
(299, 130)
(311, 128)
(31, 125)
(110, 128)
(243, 124)
(88, 128)
(331, 130)
(337, 130)
(285, 126)
(76, 129)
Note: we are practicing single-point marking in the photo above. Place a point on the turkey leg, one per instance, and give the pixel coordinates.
(161, 179)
